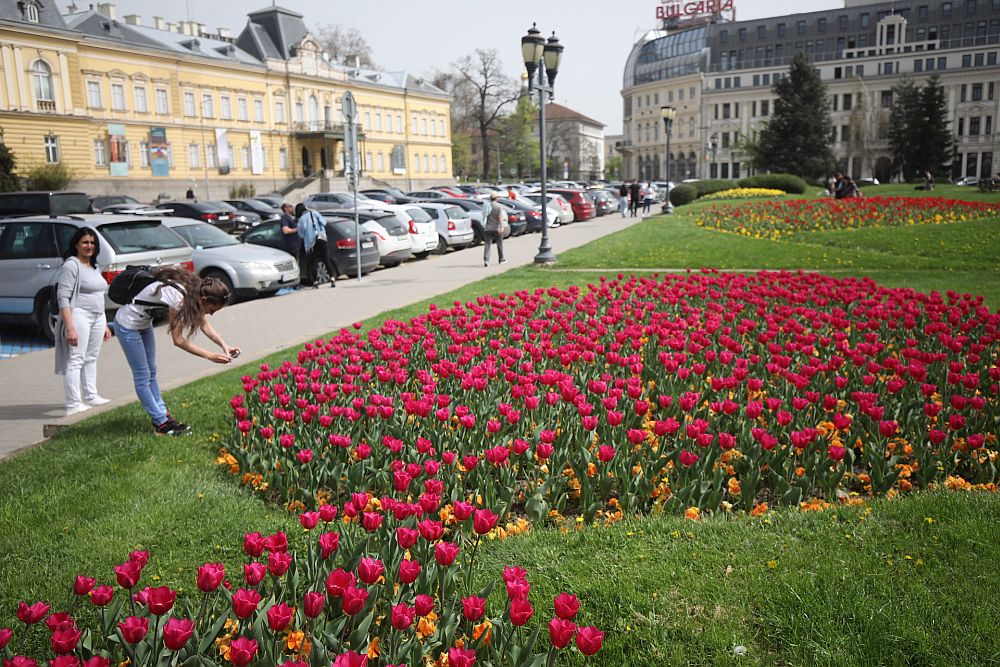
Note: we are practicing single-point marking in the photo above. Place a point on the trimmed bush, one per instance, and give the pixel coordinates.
(682, 194)
(788, 182)
(709, 186)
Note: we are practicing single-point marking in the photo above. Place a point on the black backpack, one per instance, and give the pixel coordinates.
(125, 287)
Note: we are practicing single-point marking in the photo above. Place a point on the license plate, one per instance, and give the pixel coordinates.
(367, 244)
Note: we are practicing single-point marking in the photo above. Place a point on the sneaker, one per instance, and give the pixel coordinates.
(503, 261)
(76, 409)
(181, 425)
(171, 427)
(486, 263)
(97, 400)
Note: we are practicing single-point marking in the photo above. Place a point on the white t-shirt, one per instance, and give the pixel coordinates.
(134, 316)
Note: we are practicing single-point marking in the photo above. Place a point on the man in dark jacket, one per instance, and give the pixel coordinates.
(634, 192)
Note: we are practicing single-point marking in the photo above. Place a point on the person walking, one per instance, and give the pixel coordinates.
(291, 242)
(494, 224)
(81, 327)
(189, 299)
(311, 229)
(647, 197)
(622, 198)
(634, 191)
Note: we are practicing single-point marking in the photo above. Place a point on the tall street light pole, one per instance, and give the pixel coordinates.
(540, 54)
(668, 113)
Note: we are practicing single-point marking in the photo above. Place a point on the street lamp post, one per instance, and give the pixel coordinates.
(668, 113)
(540, 54)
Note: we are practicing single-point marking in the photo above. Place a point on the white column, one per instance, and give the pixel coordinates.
(67, 98)
(24, 100)
(10, 76)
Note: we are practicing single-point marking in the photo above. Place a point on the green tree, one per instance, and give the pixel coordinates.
(919, 136)
(613, 168)
(8, 180)
(797, 138)
(461, 154)
(517, 148)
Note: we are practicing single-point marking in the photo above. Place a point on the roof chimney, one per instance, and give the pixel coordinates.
(172, 27)
(159, 23)
(223, 32)
(107, 9)
(133, 19)
(354, 60)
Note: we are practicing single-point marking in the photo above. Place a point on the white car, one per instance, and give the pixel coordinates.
(559, 201)
(248, 270)
(553, 213)
(454, 226)
(392, 236)
(420, 225)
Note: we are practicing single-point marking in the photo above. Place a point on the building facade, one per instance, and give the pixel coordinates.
(155, 109)
(574, 144)
(719, 76)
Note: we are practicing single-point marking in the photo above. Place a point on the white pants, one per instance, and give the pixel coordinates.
(81, 368)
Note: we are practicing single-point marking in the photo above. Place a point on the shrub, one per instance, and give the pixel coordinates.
(242, 191)
(788, 182)
(708, 186)
(682, 194)
(56, 176)
(8, 180)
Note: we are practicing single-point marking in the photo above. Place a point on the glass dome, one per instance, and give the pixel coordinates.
(662, 56)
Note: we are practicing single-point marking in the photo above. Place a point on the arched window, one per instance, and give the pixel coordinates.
(31, 12)
(313, 111)
(42, 74)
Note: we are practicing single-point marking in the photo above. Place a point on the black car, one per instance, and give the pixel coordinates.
(262, 209)
(101, 202)
(340, 244)
(273, 200)
(388, 195)
(522, 216)
(208, 211)
(43, 202)
(388, 221)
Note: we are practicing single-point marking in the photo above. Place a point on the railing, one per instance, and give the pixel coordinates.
(46, 105)
(317, 126)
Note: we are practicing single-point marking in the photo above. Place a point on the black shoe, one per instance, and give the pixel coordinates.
(171, 427)
(333, 283)
(180, 425)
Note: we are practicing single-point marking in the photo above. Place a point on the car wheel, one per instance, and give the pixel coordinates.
(442, 246)
(422, 255)
(46, 320)
(224, 279)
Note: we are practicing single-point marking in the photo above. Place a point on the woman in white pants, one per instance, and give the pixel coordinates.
(82, 327)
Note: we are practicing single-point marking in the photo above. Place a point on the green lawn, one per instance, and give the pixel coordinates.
(906, 582)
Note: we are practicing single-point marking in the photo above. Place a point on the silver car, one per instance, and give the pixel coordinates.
(248, 270)
(31, 250)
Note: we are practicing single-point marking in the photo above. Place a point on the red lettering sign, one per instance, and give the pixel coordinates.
(670, 10)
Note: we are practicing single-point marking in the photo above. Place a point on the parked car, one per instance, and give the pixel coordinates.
(529, 215)
(556, 201)
(341, 244)
(206, 211)
(452, 191)
(427, 194)
(387, 195)
(101, 203)
(341, 200)
(43, 202)
(273, 200)
(553, 213)
(583, 208)
(454, 227)
(247, 270)
(968, 180)
(392, 236)
(262, 209)
(474, 207)
(420, 225)
(31, 250)
(603, 203)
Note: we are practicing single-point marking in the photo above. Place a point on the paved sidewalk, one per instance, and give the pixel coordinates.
(31, 394)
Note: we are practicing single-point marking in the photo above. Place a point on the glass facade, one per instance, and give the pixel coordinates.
(667, 56)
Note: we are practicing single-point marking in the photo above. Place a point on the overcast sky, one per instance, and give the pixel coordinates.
(422, 36)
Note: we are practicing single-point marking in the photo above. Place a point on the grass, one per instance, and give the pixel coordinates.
(854, 586)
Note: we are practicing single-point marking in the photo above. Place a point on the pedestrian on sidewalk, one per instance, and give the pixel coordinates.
(623, 198)
(312, 230)
(81, 327)
(647, 197)
(189, 299)
(633, 197)
(494, 223)
(291, 242)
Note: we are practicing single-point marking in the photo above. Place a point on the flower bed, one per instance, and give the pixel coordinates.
(777, 219)
(744, 193)
(688, 394)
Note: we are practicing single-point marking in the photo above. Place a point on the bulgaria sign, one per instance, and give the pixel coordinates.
(670, 9)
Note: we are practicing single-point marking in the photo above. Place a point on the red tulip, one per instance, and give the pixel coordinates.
(353, 600)
(242, 651)
(64, 640)
(688, 459)
(473, 608)
(97, 661)
(20, 661)
(253, 544)
(279, 616)
(313, 604)
(327, 513)
(245, 602)
(836, 452)
(461, 657)
(63, 661)
(483, 521)
(350, 659)
(278, 562)
(276, 542)
(337, 581)
(210, 576)
(445, 553)
(308, 520)
(29, 615)
(177, 632)
(567, 606)
(520, 612)
(128, 573)
(328, 543)
(561, 632)
(101, 595)
(369, 570)
(589, 640)
(402, 616)
(83, 585)
(134, 629)
(254, 573)
(406, 537)
(423, 604)
(161, 600)
(5, 635)
(409, 570)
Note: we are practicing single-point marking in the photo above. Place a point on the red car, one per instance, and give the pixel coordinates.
(450, 191)
(583, 208)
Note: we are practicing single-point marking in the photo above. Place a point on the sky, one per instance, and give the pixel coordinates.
(423, 37)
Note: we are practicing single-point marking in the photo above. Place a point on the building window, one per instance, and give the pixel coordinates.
(242, 111)
(765, 107)
(140, 99)
(246, 156)
(194, 156)
(30, 12)
(918, 65)
(300, 111)
(378, 121)
(143, 153)
(399, 124)
(189, 104)
(94, 94)
(886, 99)
(424, 127)
(381, 162)
(977, 92)
(225, 107)
(51, 149)
(283, 158)
(100, 153)
(413, 123)
(42, 75)
(368, 120)
(162, 106)
(258, 111)
(442, 164)
(210, 156)
(974, 126)
(369, 161)
(427, 166)
(207, 105)
(118, 97)
(800, 27)
(279, 112)
(781, 30)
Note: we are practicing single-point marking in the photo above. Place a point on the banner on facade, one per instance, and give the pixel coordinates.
(256, 152)
(159, 157)
(222, 150)
(566, 168)
(118, 149)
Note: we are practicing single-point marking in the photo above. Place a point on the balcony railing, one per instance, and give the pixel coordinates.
(318, 126)
(45, 105)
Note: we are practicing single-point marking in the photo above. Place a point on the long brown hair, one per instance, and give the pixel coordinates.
(191, 314)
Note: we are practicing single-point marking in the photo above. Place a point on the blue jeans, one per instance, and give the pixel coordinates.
(139, 346)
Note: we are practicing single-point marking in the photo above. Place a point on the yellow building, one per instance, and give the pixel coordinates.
(151, 110)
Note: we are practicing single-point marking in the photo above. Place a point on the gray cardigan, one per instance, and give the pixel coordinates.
(68, 288)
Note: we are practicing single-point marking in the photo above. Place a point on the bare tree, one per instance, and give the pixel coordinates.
(480, 92)
(342, 43)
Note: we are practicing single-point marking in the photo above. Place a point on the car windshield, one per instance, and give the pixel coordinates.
(456, 213)
(419, 215)
(139, 235)
(221, 205)
(204, 236)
